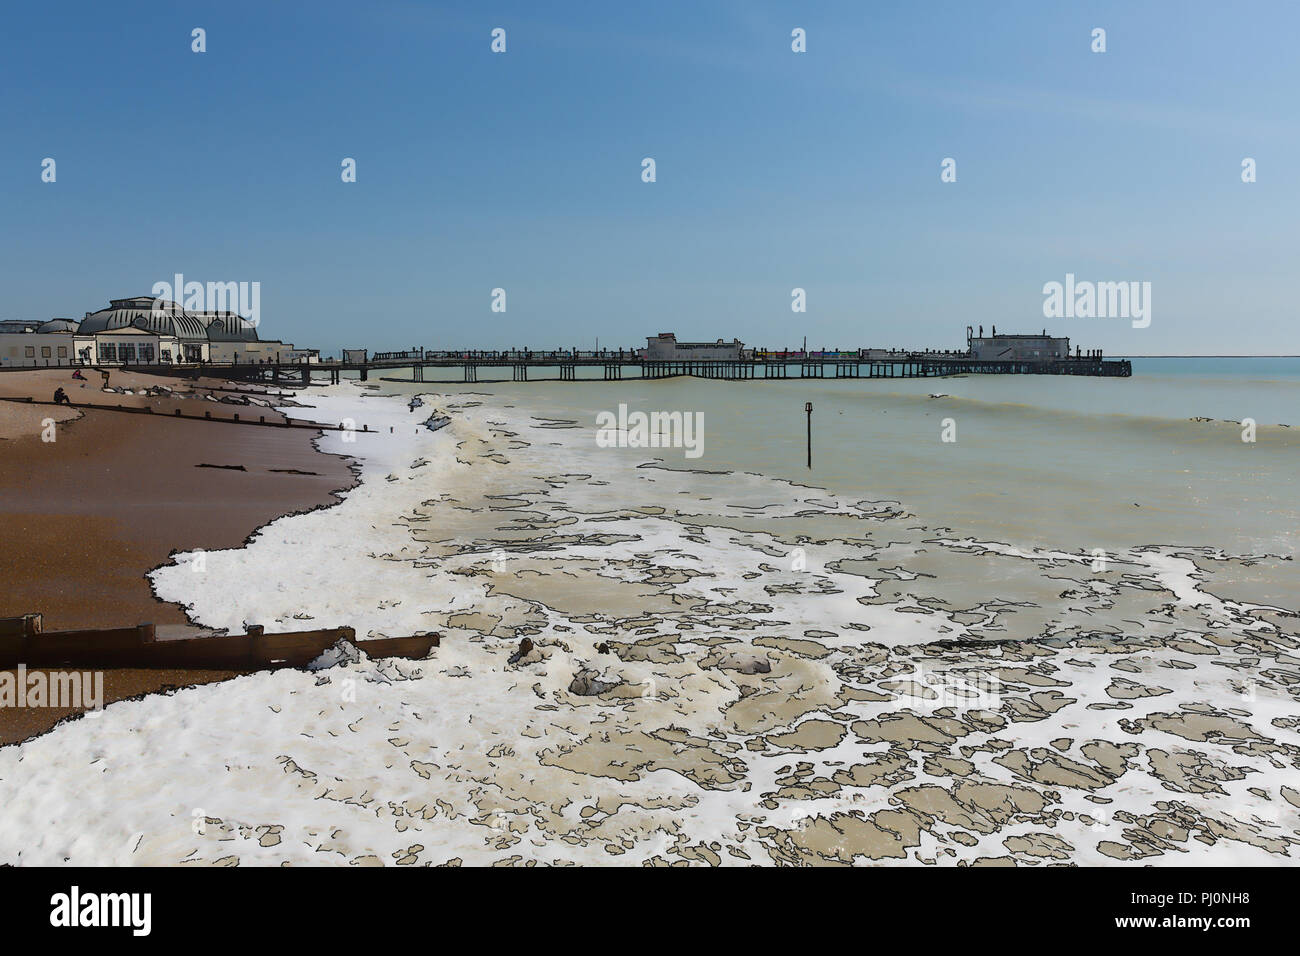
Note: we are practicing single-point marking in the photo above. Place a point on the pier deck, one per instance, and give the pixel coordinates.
(564, 367)
(614, 366)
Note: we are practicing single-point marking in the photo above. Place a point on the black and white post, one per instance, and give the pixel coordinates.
(808, 408)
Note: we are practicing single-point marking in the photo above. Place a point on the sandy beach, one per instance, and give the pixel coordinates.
(87, 515)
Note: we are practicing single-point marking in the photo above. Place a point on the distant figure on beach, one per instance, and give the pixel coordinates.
(76, 373)
(104, 372)
(61, 397)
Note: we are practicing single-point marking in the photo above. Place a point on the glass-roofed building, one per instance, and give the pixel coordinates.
(170, 333)
(142, 330)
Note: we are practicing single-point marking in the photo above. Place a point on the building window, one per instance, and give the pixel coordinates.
(45, 351)
(126, 353)
(29, 351)
(146, 354)
(107, 352)
(63, 351)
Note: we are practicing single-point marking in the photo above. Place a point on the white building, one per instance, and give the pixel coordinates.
(180, 336)
(143, 331)
(131, 345)
(664, 347)
(37, 344)
(1019, 348)
(233, 338)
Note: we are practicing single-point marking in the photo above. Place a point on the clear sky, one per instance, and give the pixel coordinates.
(775, 169)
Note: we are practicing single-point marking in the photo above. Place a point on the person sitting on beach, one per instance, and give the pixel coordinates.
(61, 397)
(76, 373)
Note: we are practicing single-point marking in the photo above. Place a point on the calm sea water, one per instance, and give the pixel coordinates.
(1056, 461)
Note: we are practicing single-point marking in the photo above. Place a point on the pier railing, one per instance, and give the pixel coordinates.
(760, 364)
(749, 363)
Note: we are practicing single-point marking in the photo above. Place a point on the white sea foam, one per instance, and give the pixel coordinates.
(502, 526)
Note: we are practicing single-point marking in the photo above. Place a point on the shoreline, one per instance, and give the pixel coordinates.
(115, 496)
(687, 695)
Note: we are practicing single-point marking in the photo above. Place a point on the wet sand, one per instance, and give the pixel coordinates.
(87, 515)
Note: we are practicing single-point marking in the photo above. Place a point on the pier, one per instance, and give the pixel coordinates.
(245, 358)
(1000, 355)
(618, 365)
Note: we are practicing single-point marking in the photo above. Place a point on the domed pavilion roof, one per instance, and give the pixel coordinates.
(161, 316)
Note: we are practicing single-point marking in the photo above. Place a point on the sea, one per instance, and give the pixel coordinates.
(975, 620)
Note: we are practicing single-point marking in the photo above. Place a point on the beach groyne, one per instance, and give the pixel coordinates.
(207, 416)
(23, 640)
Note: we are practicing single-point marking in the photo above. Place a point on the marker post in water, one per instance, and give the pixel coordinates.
(807, 407)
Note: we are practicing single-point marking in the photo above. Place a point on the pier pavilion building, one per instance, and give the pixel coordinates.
(181, 337)
(142, 331)
(1018, 348)
(664, 347)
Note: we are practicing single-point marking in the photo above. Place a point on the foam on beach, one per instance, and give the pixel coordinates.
(726, 668)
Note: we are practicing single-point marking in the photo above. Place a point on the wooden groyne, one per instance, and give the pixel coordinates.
(207, 415)
(24, 641)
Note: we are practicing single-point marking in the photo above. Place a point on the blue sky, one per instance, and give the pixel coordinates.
(775, 170)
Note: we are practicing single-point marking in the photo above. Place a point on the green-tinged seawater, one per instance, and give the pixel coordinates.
(1037, 461)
